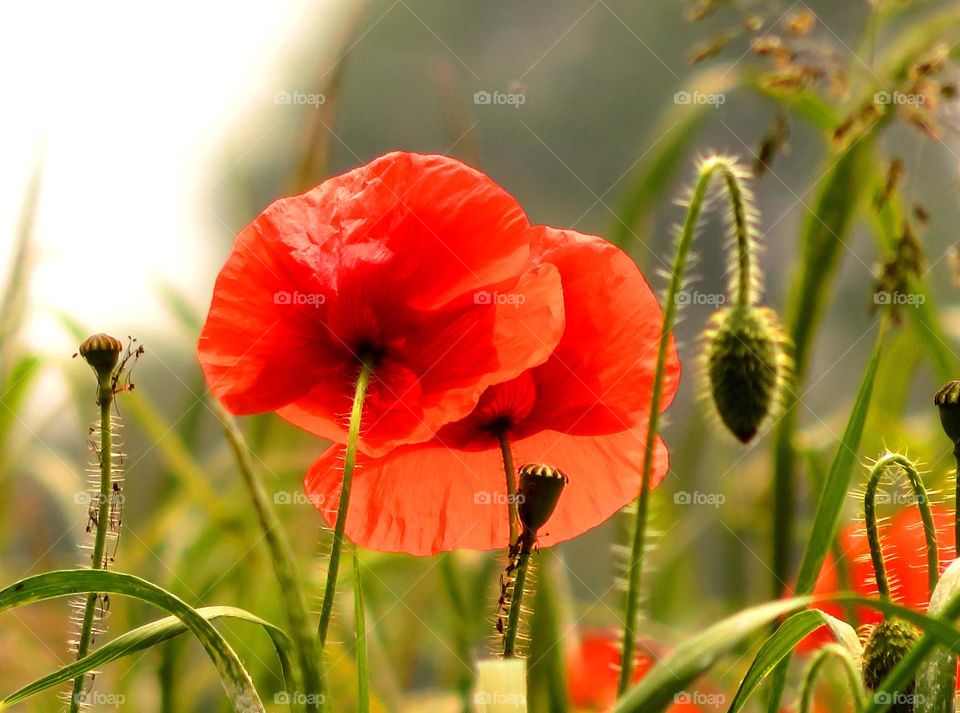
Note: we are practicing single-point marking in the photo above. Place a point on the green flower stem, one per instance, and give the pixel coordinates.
(283, 562)
(451, 583)
(873, 533)
(708, 169)
(851, 673)
(527, 540)
(105, 400)
(353, 434)
(510, 474)
(956, 505)
(363, 687)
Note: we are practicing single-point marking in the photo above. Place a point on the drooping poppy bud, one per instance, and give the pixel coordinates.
(886, 645)
(947, 400)
(539, 491)
(747, 366)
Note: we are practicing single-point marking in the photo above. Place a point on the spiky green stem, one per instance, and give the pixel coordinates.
(283, 562)
(708, 169)
(511, 477)
(516, 593)
(873, 533)
(333, 567)
(956, 504)
(105, 400)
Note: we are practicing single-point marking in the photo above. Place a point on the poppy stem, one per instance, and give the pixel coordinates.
(851, 671)
(100, 515)
(510, 474)
(333, 567)
(282, 559)
(732, 174)
(525, 549)
(873, 533)
(956, 505)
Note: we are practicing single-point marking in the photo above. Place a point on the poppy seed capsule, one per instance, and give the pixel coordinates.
(947, 400)
(888, 642)
(746, 364)
(102, 352)
(540, 488)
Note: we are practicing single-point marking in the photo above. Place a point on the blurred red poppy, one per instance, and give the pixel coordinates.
(583, 411)
(416, 263)
(904, 550)
(592, 673)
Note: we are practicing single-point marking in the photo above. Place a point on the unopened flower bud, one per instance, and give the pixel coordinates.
(539, 491)
(886, 645)
(102, 352)
(947, 400)
(747, 366)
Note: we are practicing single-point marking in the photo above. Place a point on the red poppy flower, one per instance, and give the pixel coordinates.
(904, 550)
(583, 411)
(592, 671)
(401, 262)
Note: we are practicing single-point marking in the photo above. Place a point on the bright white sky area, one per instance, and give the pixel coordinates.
(132, 105)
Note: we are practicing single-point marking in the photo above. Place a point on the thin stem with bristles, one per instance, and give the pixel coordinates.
(956, 505)
(105, 400)
(873, 533)
(282, 560)
(333, 567)
(516, 593)
(732, 176)
(511, 478)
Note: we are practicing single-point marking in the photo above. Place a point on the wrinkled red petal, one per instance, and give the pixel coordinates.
(426, 499)
(600, 377)
(391, 260)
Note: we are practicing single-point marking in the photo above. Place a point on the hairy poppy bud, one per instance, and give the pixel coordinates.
(887, 643)
(540, 488)
(947, 400)
(102, 352)
(746, 365)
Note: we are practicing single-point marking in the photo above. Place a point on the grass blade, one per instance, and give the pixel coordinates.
(145, 637)
(63, 583)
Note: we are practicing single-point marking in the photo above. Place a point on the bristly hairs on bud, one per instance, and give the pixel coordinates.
(104, 497)
(745, 289)
(885, 645)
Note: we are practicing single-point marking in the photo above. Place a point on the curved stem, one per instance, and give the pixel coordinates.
(956, 505)
(510, 474)
(708, 169)
(105, 400)
(873, 534)
(741, 231)
(333, 567)
(850, 670)
(282, 560)
(516, 594)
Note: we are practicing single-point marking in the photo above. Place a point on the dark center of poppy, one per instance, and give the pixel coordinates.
(369, 352)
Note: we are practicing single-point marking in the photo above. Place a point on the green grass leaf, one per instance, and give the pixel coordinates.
(63, 583)
(782, 643)
(147, 636)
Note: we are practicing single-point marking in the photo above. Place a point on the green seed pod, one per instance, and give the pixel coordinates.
(888, 642)
(102, 352)
(540, 488)
(747, 367)
(947, 400)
